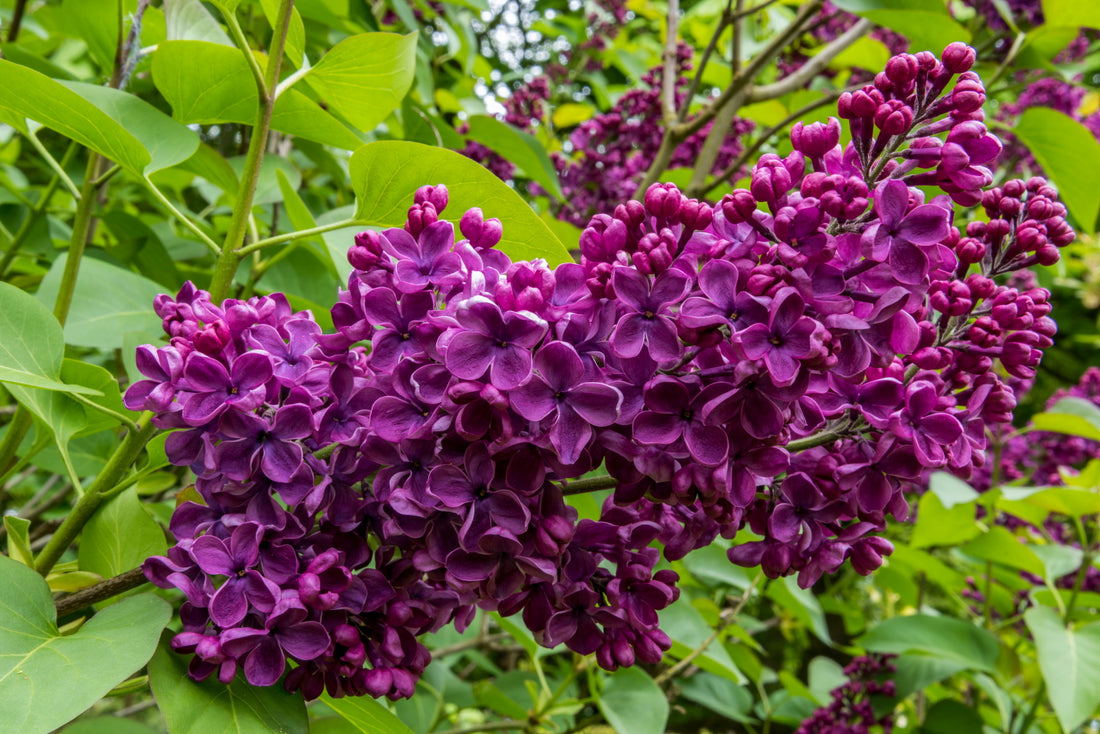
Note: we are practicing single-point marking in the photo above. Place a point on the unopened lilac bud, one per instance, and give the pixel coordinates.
(366, 253)
(770, 179)
(663, 200)
(632, 213)
(893, 117)
(902, 69)
(958, 57)
(421, 216)
(695, 215)
(739, 206)
(1047, 254)
(859, 104)
(816, 139)
(437, 196)
(213, 338)
(969, 93)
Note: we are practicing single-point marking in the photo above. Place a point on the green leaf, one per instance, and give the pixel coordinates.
(365, 77)
(103, 383)
(633, 703)
(939, 525)
(1001, 546)
(107, 303)
(1070, 155)
(520, 148)
(210, 707)
(951, 490)
(31, 339)
(1036, 503)
(19, 544)
(940, 637)
(166, 141)
(917, 672)
(208, 83)
(26, 94)
(366, 715)
(720, 695)
(572, 113)
(1072, 416)
(866, 53)
(46, 678)
(802, 604)
(950, 717)
(189, 20)
(120, 536)
(688, 630)
(27, 379)
(1070, 662)
(711, 566)
(107, 725)
(1071, 13)
(1058, 560)
(386, 174)
(295, 45)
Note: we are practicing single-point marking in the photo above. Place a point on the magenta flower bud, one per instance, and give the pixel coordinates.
(770, 179)
(1047, 254)
(970, 250)
(603, 237)
(437, 196)
(1040, 207)
(1014, 188)
(739, 206)
(816, 139)
(663, 200)
(421, 216)
(958, 57)
(927, 60)
(632, 213)
(366, 253)
(893, 117)
(859, 104)
(902, 69)
(213, 338)
(969, 93)
(695, 214)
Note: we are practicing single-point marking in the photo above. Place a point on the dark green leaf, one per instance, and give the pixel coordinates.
(210, 707)
(633, 703)
(688, 630)
(1001, 546)
(1070, 155)
(1070, 662)
(31, 340)
(386, 174)
(951, 717)
(802, 604)
(107, 725)
(19, 544)
(941, 637)
(917, 672)
(720, 695)
(46, 679)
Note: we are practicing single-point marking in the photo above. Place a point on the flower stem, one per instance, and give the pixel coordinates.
(584, 486)
(105, 589)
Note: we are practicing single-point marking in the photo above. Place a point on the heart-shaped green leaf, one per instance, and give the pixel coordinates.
(1070, 662)
(47, 678)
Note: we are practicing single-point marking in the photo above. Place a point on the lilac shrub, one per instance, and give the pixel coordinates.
(851, 710)
(780, 365)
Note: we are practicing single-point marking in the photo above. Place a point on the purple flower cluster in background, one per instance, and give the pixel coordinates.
(785, 362)
(852, 709)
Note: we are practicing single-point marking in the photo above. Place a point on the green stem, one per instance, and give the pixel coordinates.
(594, 484)
(36, 211)
(117, 466)
(183, 218)
(229, 258)
(82, 225)
(105, 589)
(124, 420)
(301, 234)
(57, 168)
(241, 42)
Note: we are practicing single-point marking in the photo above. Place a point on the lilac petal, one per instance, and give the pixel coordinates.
(666, 394)
(908, 262)
(782, 366)
(280, 460)
(941, 427)
(784, 523)
(570, 434)
(755, 341)
(205, 373)
(670, 286)
(508, 511)
(787, 309)
(873, 493)
(201, 408)
(631, 288)
(469, 354)
(394, 419)
(925, 225)
(293, 421)
(409, 277)
(305, 640)
(698, 312)
(629, 336)
(265, 664)
(657, 428)
(891, 202)
(236, 459)
(380, 307)
(560, 365)
(534, 401)
(450, 485)
(470, 567)
(252, 369)
(598, 404)
(718, 280)
(400, 244)
(708, 444)
(228, 605)
(212, 556)
(436, 239)
(244, 544)
(511, 368)
(664, 345)
(483, 317)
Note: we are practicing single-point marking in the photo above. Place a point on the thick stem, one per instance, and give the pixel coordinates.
(668, 77)
(584, 486)
(82, 226)
(813, 66)
(300, 234)
(712, 146)
(16, 20)
(117, 466)
(226, 266)
(103, 590)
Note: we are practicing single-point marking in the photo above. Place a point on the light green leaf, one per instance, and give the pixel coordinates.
(365, 77)
(107, 303)
(1035, 503)
(572, 113)
(188, 20)
(208, 83)
(1001, 546)
(109, 396)
(866, 53)
(951, 490)
(1072, 416)
(1070, 662)
(27, 379)
(210, 707)
(26, 94)
(633, 703)
(31, 339)
(945, 638)
(19, 544)
(366, 715)
(295, 33)
(120, 536)
(166, 141)
(720, 695)
(926, 31)
(47, 679)
(688, 630)
(386, 174)
(1071, 13)
(939, 525)
(1058, 560)
(802, 604)
(1070, 156)
(524, 150)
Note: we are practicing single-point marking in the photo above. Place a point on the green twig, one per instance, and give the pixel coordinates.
(56, 167)
(82, 227)
(593, 484)
(301, 234)
(117, 466)
(36, 211)
(105, 589)
(124, 420)
(183, 218)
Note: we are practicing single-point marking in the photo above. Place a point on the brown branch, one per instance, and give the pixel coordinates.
(105, 589)
(813, 66)
(668, 77)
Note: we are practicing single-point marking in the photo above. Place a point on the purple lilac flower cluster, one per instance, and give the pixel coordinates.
(852, 711)
(789, 360)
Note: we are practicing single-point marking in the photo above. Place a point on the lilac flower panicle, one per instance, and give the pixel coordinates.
(776, 369)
